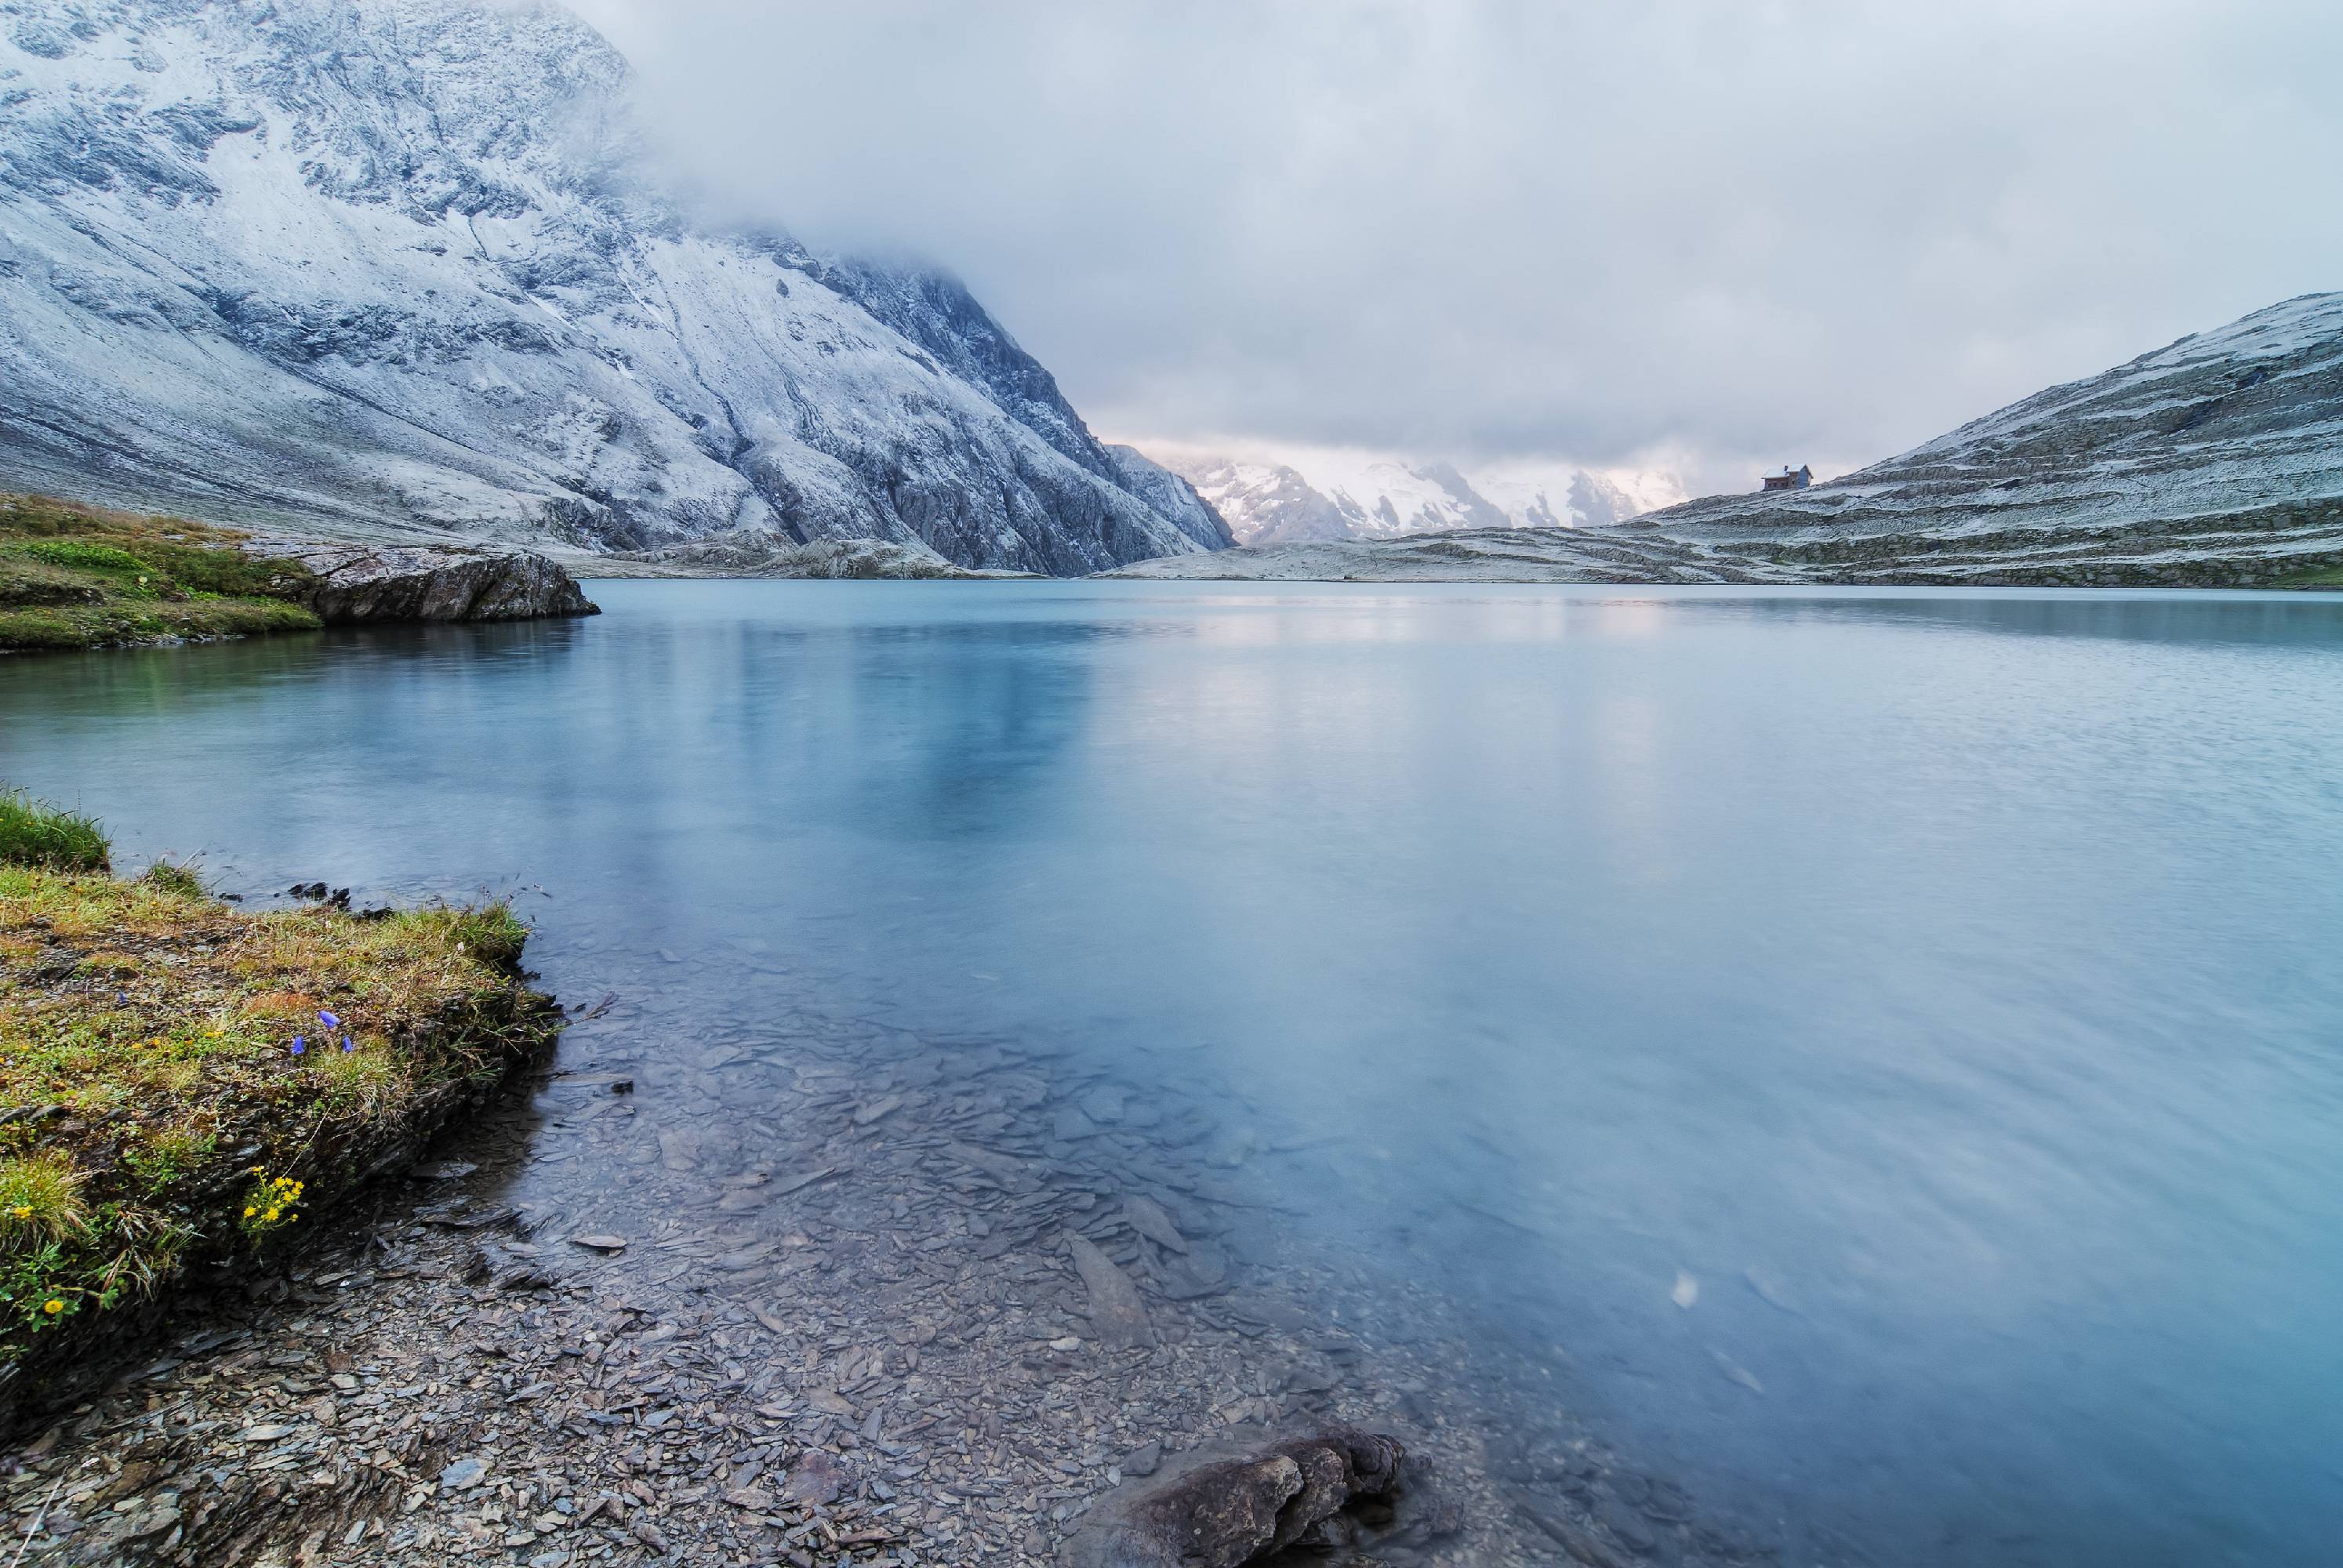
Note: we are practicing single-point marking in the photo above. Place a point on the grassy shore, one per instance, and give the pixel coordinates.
(74, 577)
(183, 1083)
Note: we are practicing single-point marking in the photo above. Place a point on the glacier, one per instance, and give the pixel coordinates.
(406, 270)
(1306, 494)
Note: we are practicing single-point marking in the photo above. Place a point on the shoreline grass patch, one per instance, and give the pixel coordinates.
(34, 833)
(181, 1082)
(80, 576)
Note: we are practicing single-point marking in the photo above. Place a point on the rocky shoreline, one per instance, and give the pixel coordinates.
(362, 585)
(936, 1304)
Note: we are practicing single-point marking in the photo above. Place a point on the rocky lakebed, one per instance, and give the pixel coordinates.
(813, 1290)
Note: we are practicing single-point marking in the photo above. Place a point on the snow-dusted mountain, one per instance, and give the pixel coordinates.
(2216, 461)
(1316, 494)
(380, 266)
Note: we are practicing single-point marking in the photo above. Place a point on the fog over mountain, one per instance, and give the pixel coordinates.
(1681, 237)
(405, 265)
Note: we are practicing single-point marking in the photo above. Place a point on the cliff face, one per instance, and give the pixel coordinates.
(2215, 462)
(396, 269)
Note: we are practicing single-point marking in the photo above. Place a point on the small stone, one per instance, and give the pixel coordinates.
(818, 1479)
(463, 1474)
(600, 1244)
(1144, 1461)
(1152, 1221)
(1736, 1372)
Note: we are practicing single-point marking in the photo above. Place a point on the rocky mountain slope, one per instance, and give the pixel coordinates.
(385, 268)
(2217, 461)
(1349, 495)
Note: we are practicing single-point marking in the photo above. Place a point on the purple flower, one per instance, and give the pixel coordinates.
(329, 1020)
(122, 998)
(300, 1044)
(346, 1043)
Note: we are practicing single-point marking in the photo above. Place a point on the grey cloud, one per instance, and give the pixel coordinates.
(1727, 231)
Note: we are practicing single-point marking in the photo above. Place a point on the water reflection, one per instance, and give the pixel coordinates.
(1877, 1048)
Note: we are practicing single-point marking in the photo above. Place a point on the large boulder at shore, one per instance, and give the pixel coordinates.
(1223, 1507)
(357, 584)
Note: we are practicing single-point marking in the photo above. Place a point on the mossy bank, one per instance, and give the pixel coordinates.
(185, 1085)
(83, 576)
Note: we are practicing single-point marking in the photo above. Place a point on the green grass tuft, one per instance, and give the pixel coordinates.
(40, 1201)
(491, 933)
(33, 833)
(176, 879)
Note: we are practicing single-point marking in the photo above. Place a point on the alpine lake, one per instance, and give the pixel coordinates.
(1810, 1077)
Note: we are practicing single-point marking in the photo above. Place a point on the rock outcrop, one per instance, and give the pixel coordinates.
(2216, 462)
(362, 584)
(1221, 1509)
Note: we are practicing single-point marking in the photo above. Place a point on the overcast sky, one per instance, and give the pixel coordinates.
(1697, 233)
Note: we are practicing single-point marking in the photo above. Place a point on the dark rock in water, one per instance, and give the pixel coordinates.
(1221, 1508)
(1150, 1220)
(1581, 1544)
(1118, 1316)
(359, 584)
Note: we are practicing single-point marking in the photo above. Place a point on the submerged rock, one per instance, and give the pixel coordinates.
(360, 584)
(1221, 1508)
(1118, 1315)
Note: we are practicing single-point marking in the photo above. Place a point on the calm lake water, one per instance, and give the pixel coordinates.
(1884, 1053)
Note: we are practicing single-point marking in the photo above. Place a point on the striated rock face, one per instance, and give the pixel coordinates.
(358, 584)
(2216, 462)
(384, 269)
(761, 555)
(1172, 496)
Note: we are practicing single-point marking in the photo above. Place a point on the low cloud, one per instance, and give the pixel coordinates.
(1707, 233)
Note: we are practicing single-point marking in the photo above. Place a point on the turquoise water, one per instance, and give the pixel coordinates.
(1939, 993)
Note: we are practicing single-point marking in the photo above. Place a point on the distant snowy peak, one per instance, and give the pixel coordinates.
(1343, 494)
(384, 266)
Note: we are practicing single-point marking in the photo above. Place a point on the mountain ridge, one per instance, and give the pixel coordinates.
(2215, 460)
(401, 268)
(1287, 499)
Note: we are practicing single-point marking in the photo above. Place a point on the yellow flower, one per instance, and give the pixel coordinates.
(53, 1306)
(23, 1211)
(270, 1215)
(248, 1213)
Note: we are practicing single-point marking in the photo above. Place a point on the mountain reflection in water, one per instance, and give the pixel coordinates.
(1878, 1050)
